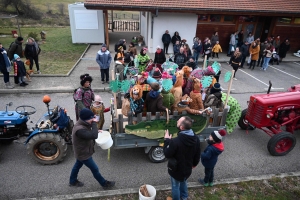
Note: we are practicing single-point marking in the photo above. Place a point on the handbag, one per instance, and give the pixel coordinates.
(207, 52)
(172, 164)
(232, 48)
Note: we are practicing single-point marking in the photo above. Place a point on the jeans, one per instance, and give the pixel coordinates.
(230, 47)
(91, 165)
(179, 189)
(21, 79)
(266, 63)
(196, 56)
(6, 77)
(36, 61)
(209, 175)
(260, 60)
(104, 74)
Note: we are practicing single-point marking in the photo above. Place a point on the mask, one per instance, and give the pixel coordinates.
(135, 92)
(209, 141)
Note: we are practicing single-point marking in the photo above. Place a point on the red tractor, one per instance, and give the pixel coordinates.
(277, 114)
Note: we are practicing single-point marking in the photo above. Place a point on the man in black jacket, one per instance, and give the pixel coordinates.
(84, 133)
(166, 39)
(244, 49)
(183, 153)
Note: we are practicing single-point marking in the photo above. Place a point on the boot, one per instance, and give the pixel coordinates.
(8, 86)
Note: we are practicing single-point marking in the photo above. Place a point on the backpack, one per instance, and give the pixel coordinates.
(127, 58)
(74, 94)
(9, 46)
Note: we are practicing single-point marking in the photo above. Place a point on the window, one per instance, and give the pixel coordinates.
(202, 17)
(215, 18)
(285, 20)
(228, 18)
(297, 21)
(247, 19)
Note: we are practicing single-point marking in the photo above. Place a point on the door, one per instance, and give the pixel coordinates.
(247, 24)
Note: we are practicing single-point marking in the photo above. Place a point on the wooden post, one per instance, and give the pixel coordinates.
(229, 88)
(204, 62)
(106, 28)
(112, 20)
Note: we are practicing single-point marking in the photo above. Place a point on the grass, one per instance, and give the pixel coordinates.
(273, 189)
(58, 53)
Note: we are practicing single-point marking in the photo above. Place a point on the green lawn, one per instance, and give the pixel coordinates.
(58, 53)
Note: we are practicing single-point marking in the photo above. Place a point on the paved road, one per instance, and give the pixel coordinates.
(244, 155)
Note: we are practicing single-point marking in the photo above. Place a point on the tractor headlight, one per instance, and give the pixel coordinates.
(269, 115)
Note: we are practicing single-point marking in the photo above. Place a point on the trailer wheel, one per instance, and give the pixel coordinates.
(243, 123)
(47, 148)
(281, 144)
(156, 154)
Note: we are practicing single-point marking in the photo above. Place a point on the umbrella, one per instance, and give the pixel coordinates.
(197, 73)
(170, 67)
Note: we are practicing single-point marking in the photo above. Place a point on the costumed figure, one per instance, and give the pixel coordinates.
(196, 96)
(154, 100)
(143, 59)
(99, 109)
(136, 100)
(234, 113)
(214, 96)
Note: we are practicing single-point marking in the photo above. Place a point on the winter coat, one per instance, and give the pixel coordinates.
(268, 53)
(198, 47)
(16, 48)
(103, 59)
(176, 48)
(168, 99)
(154, 102)
(188, 53)
(143, 60)
(276, 43)
(31, 50)
(210, 155)
(4, 61)
(185, 149)
(213, 100)
(284, 47)
(19, 68)
(250, 39)
(83, 138)
(232, 39)
(175, 38)
(254, 52)
(263, 46)
(214, 39)
(180, 58)
(119, 68)
(133, 51)
(244, 49)
(159, 58)
(136, 105)
(217, 48)
(197, 103)
(166, 38)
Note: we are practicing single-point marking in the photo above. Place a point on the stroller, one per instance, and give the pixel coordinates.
(275, 58)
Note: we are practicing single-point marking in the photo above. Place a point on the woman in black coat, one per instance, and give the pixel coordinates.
(32, 51)
(235, 61)
(176, 37)
(284, 47)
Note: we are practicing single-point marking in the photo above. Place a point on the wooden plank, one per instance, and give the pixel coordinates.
(119, 100)
(130, 118)
(224, 116)
(148, 116)
(215, 117)
(157, 115)
(139, 117)
(120, 123)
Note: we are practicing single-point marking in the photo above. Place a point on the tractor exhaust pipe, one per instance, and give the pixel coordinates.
(270, 85)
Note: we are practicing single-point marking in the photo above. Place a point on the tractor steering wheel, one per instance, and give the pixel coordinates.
(24, 111)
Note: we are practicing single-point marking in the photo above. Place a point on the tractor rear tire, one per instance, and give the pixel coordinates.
(47, 148)
(156, 154)
(243, 123)
(281, 144)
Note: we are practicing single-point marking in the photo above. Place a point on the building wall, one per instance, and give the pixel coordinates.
(185, 24)
(291, 32)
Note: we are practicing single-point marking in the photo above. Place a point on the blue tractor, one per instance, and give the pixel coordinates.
(48, 140)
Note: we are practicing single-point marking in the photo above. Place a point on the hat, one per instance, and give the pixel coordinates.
(84, 78)
(16, 56)
(218, 135)
(19, 39)
(86, 114)
(156, 73)
(192, 58)
(154, 86)
(103, 45)
(158, 47)
(98, 99)
(145, 49)
(217, 86)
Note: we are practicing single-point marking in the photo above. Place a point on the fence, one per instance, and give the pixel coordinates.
(124, 16)
(120, 25)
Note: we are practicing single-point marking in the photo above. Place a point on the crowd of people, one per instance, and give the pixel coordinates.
(10, 60)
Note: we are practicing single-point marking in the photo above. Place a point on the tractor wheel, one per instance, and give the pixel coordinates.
(243, 123)
(47, 148)
(281, 144)
(156, 154)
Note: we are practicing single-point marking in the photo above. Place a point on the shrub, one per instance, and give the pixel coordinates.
(34, 36)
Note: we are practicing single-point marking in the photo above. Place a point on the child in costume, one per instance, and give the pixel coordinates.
(210, 155)
(19, 70)
(98, 109)
(216, 49)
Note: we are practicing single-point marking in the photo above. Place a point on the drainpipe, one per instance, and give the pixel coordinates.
(152, 22)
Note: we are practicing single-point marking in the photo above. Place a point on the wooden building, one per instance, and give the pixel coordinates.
(263, 18)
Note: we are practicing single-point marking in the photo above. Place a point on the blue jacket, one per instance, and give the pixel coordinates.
(176, 49)
(103, 59)
(210, 155)
(197, 47)
(166, 38)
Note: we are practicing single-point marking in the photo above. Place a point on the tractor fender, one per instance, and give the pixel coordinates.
(39, 131)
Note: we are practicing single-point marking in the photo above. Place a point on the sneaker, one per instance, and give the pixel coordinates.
(108, 185)
(235, 79)
(39, 72)
(25, 83)
(107, 82)
(103, 82)
(76, 184)
(211, 184)
(201, 181)
(22, 84)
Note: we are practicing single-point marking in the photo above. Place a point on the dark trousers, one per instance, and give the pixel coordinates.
(6, 77)
(235, 68)
(213, 55)
(260, 60)
(252, 63)
(166, 47)
(243, 61)
(209, 175)
(104, 74)
(36, 61)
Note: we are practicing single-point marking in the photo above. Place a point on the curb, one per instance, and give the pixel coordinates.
(48, 91)
(109, 193)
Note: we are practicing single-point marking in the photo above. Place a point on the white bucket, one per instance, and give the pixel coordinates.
(104, 140)
(151, 191)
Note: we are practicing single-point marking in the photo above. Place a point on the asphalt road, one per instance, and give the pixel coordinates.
(244, 155)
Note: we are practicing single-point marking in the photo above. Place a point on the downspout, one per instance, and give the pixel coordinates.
(152, 22)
